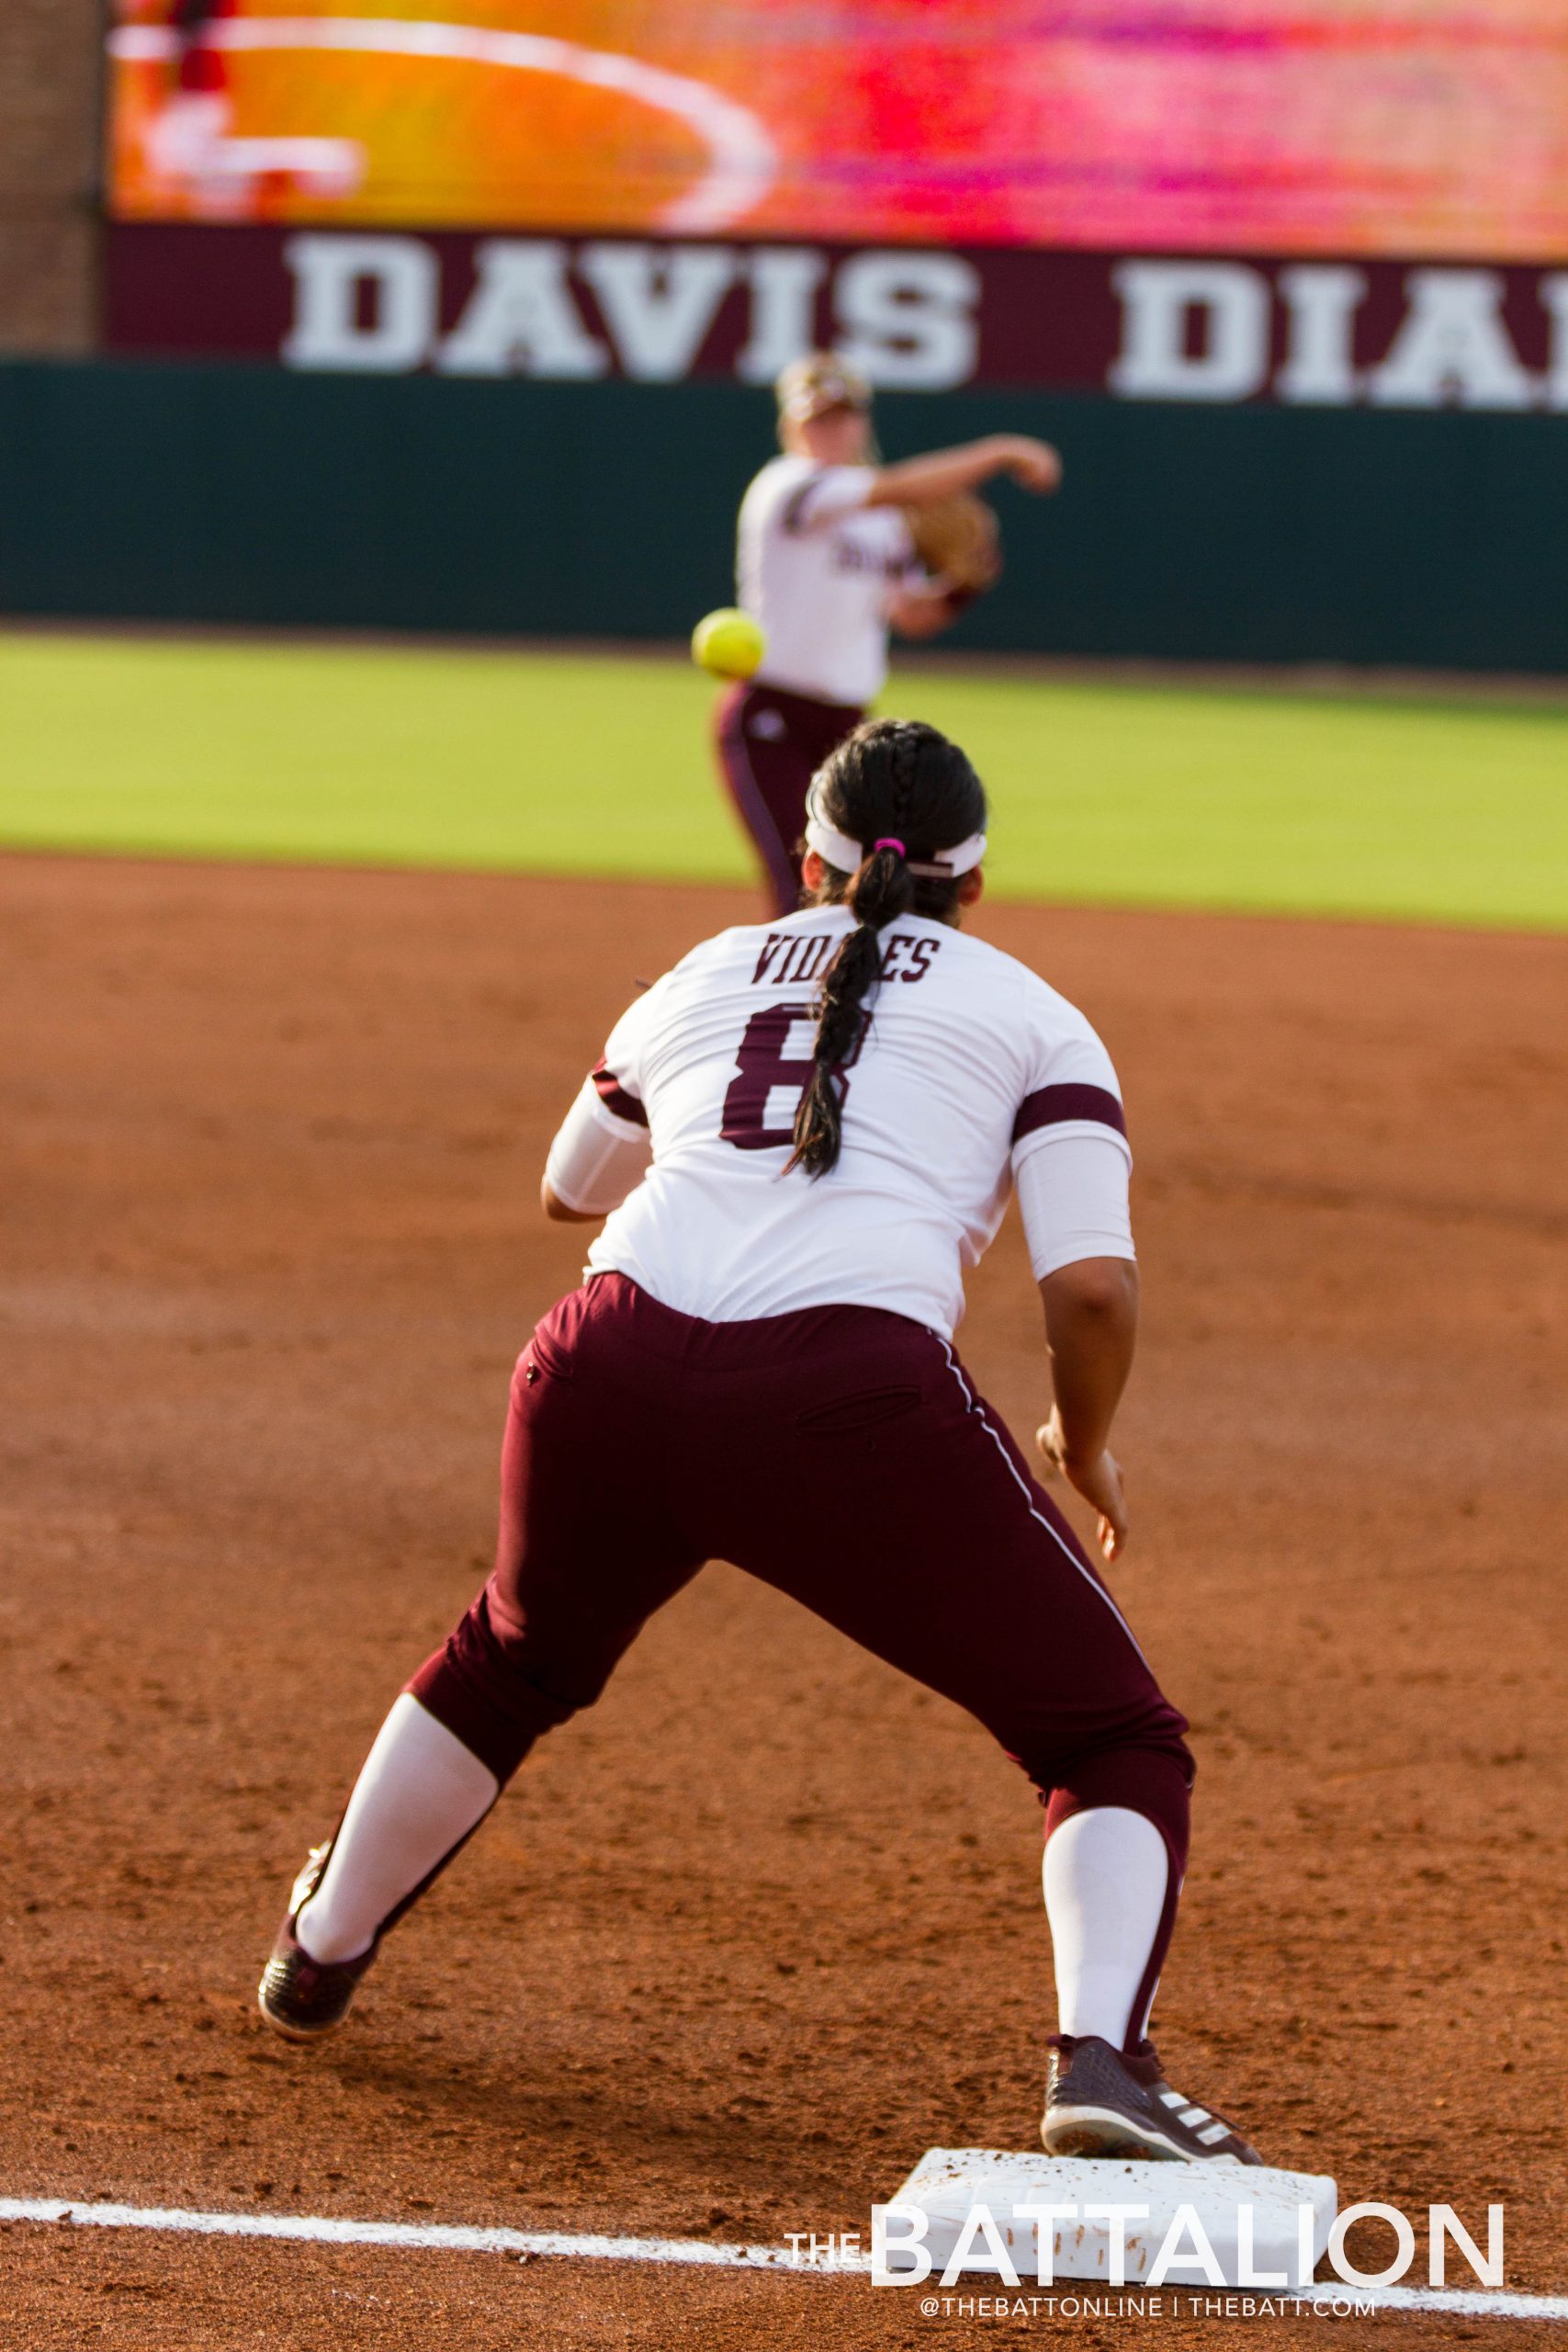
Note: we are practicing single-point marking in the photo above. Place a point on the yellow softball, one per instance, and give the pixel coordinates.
(729, 643)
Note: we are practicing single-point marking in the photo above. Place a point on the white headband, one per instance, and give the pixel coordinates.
(844, 855)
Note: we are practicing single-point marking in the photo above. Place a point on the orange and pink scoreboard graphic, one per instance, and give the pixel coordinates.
(740, 157)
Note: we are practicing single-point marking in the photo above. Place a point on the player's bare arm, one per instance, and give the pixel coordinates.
(1091, 1328)
(947, 474)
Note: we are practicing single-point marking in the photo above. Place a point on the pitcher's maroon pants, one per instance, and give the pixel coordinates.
(771, 743)
(841, 1456)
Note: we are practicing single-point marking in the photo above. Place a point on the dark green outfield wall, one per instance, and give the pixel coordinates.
(607, 510)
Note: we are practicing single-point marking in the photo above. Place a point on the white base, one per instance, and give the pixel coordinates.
(947, 2182)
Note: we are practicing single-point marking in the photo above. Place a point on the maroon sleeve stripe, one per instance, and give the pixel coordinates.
(614, 1096)
(793, 514)
(1053, 1106)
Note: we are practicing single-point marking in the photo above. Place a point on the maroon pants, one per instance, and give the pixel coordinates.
(841, 1456)
(770, 744)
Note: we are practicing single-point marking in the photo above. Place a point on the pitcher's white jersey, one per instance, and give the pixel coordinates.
(814, 566)
(968, 1067)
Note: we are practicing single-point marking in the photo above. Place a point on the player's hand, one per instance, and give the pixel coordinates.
(1033, 464)
(1099, 1481)
(920, 612)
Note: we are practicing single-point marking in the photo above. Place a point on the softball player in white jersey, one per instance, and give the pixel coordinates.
(799, 1140)
(826, 563)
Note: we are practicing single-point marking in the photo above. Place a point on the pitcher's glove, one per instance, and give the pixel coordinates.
(959, 544)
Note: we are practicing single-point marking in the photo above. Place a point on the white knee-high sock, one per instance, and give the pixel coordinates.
(421, 1791)
(1106, 1872)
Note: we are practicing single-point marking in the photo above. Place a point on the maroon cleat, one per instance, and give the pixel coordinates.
(1106, 2102)
(302, 1998)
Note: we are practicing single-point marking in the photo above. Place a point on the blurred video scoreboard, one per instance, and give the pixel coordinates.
(1321, 201)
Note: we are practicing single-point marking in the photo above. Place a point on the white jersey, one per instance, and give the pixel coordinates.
(814, 566)
(968, 1068)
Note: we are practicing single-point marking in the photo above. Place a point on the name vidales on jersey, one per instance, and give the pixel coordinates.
(967, 1064)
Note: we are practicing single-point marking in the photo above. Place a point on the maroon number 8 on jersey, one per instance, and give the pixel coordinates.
(762, 1065)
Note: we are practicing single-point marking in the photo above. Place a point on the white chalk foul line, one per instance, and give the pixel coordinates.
(1479, 2302)
(453, 2237)
(450, 2237)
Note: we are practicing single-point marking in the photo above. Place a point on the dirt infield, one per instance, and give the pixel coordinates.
(743, 1943)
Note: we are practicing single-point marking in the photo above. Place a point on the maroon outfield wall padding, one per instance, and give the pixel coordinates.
(841, 1456)
(1052, 319)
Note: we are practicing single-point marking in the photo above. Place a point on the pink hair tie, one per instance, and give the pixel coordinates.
(889, 841)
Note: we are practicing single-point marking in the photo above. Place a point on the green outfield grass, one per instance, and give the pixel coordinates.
(1195, 797)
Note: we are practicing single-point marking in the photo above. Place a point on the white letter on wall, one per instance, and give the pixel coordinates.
(785, 279)
(907, 319)
(1453, 342)
(1555, 294)
(1155, 364)
(521, 318)
(658, 302)
(1321, 303)
(405, 280)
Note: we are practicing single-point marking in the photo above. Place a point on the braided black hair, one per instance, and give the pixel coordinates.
(898, 779)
